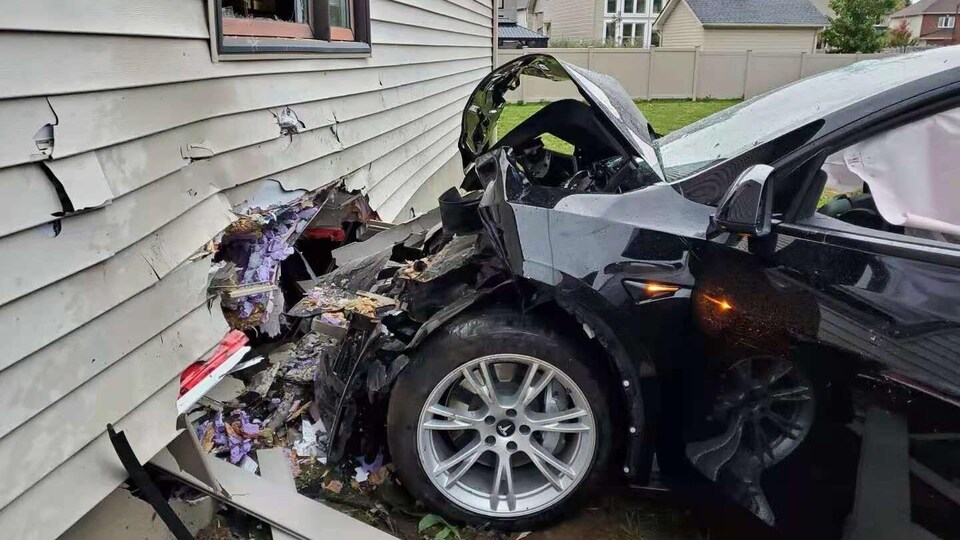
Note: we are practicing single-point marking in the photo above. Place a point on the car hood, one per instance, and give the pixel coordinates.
(602, 92)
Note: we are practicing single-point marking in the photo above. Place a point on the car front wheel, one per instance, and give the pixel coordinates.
(499, 420)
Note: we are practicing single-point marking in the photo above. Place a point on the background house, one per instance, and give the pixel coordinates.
(933, 22)
(129, 130)
(623, 22)
(514, 31)
(759, 25)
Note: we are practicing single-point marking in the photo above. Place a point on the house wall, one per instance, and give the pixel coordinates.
(509, 9)
(681, 28)
(760, 39)
(915, 24)
(576, 19)
(928, 25)
(101, 310)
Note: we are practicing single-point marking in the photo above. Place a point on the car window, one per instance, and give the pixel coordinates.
(905, 180)
(735, 130)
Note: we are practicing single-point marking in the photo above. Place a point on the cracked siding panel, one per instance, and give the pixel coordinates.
(336, 166)
(91, 474)
(80, 242)
(28, 323)
(80, 355)
(29, 198)
(170, 18)
(20, 123)
(83, 182)
(104, 398)
(89, 121)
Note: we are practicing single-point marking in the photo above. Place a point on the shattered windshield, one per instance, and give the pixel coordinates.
(733, 131)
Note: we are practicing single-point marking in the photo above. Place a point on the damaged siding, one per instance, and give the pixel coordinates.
(123, 148)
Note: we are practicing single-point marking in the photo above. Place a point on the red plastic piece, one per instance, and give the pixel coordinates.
(337, 235)
(199, 370)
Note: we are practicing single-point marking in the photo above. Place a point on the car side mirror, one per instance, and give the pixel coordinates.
(747, 206)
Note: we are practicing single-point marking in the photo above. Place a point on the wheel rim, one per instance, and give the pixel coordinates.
(773, 398)
(506, 435)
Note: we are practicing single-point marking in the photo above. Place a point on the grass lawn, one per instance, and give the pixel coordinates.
(665, 115)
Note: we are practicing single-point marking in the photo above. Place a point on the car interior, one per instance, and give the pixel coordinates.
(908, 177)
(597, 164)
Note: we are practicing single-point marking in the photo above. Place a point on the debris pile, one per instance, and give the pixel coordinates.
(250, 251)
(329, 361)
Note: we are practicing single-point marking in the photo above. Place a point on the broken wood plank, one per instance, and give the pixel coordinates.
(292, 513)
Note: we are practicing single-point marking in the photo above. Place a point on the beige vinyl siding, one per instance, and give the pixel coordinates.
(681, 28)
(914, 23)
(576, 19)
(760, 39)
(101, 310)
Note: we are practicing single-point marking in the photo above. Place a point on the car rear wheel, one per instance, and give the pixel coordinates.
(499, 420)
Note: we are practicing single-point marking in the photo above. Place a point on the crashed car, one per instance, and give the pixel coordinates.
(766, 301)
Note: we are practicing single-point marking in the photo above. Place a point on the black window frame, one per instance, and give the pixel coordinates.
(247, 47)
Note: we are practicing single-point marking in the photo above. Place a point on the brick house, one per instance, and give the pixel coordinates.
(933, 22)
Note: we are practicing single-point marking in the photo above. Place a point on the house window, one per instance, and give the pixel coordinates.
(946, 21)
(247, 28)
(632, 34)
(610, 32)
(657, 6)
(611, 6)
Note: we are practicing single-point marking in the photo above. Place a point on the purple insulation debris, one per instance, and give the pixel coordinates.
(237, 442)
(257, 250)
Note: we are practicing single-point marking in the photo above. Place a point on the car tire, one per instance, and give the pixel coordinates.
(458, 346)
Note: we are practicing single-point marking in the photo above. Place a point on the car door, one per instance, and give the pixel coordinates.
(864, 303)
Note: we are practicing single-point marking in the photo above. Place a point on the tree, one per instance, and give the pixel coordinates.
(855, 27)
(900, 37)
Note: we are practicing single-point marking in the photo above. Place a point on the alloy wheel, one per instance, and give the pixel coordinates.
(772, 398)
(506, 435)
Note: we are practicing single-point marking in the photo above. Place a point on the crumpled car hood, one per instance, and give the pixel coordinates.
(602, 92)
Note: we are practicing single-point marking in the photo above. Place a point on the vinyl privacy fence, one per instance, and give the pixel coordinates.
(683, 73)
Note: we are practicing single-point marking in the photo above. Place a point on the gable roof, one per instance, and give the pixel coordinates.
(755, 12)
(928, 7)
(510, 30)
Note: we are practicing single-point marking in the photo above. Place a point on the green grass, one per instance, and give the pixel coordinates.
(665, 115)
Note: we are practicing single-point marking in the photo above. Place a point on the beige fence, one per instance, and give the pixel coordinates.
(682, 73)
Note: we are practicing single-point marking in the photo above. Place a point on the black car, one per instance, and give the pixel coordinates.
(766, 301)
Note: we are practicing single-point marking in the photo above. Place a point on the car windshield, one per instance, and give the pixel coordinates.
(733, 131)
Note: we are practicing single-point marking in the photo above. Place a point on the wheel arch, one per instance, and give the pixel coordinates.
(631, 367)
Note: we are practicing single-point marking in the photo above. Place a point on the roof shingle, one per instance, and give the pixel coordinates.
(512, 31)
(927, 6)
(775, 12)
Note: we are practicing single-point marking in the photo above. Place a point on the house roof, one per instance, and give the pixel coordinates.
(931, 7)
(512, 31)
(757, 12)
